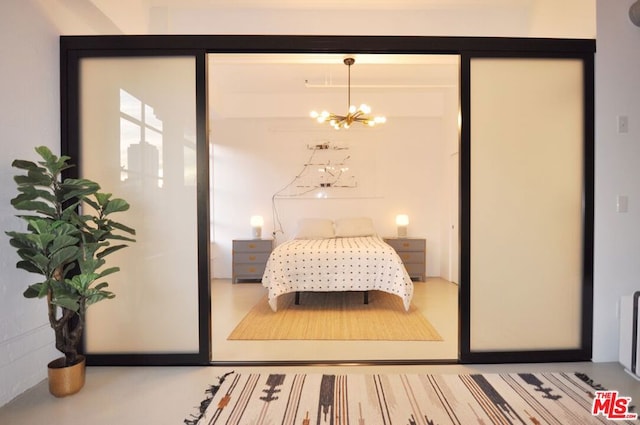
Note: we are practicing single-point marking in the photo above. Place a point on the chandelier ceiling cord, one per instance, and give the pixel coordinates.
(353, 115)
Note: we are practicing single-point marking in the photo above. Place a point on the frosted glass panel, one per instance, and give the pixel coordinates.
(526, 204)
(138, 141)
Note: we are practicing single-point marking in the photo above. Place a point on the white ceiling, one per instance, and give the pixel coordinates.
(168, 16)
(304, 72)
(312, 75)
(270, 85)
(308, 4)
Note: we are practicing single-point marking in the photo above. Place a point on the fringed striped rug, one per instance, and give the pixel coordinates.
(482, 399)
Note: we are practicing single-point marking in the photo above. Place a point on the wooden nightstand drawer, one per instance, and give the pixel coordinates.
(257, 245)
(415, 270)
(249, 271)
(412, 257)
(402, 244)
(249, 258)
(412, 252)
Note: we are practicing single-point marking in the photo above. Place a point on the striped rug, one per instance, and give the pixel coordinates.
(416, 399)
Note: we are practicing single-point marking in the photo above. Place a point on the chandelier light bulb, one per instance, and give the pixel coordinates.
(353, 114)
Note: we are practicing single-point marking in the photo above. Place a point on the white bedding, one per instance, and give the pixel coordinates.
(336, 264)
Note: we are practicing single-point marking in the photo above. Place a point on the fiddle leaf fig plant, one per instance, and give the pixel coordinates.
(69, 232)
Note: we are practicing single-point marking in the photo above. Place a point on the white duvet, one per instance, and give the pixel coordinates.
(337, 264)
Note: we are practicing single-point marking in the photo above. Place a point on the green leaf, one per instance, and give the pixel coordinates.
(70, 303)
(110, 250)
(102, 198)
(29, 193)
(54, 164)
(40, 226)
(93, 204)
(116, 205)
(63, 241)
(41, 261)
(81, 282)
(61, 227)
(94, 297)
(29, 266)
(101, 285)
(33, 178)
(68, 269)
(33, 291)
(90, 265)
(18, 240)
(64, 256)
(36, 206)
(120, 238)
(108, 271)
(78, 188)
(45, 153)
(41, 241)
(23, 165)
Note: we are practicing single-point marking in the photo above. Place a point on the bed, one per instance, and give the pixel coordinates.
(347, 256)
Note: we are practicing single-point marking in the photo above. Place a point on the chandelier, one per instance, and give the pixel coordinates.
(353, 115)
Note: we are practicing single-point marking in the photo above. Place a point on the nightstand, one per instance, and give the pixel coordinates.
(249, 258)
(412, 251)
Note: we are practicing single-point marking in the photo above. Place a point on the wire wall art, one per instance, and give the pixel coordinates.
(326, 170)
(331, 171)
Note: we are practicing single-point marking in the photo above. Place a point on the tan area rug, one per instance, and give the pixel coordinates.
(335, 316)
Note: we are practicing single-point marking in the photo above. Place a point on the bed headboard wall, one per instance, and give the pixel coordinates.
(400, 168)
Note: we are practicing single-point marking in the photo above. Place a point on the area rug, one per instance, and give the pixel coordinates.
(335, 316)
(304, 399)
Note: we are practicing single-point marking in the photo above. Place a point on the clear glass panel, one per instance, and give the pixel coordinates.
(526, 204)
(138, 141)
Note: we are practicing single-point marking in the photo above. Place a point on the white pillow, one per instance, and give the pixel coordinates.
(314, 228)
(353, 227)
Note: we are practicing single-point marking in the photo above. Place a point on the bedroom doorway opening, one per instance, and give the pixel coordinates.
(264, 163)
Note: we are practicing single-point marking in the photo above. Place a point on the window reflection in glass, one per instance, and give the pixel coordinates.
(140, 142)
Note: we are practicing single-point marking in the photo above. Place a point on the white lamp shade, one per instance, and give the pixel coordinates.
(402, 220)
(257, 221)
(256, 226)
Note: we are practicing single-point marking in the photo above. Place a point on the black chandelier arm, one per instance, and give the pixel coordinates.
(349, 82)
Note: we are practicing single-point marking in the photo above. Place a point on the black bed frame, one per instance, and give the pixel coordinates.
(366, 297)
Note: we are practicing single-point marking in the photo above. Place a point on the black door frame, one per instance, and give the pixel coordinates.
(74, 48)
(583, 353)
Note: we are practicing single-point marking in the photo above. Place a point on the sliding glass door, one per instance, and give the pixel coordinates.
(528, 200)
(139, 138)
(134, 118)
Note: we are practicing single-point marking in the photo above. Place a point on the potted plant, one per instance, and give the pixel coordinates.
(68, 235)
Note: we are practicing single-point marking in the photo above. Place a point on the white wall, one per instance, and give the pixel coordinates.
(399, 168)
(617, 235)
(29, 116)
(536, 18)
